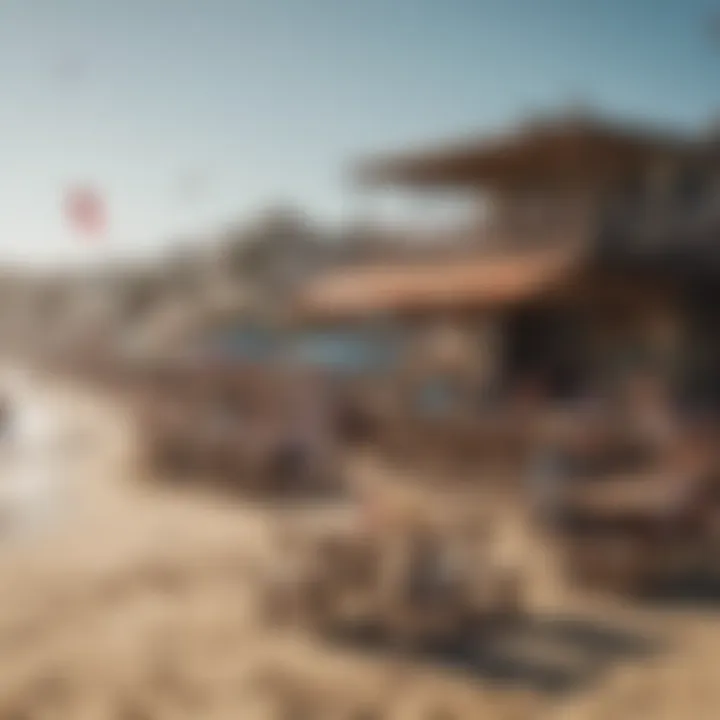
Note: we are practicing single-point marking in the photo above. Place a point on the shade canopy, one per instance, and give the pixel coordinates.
(483, 280)
(565, 150)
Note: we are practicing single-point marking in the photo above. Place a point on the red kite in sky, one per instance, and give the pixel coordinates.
(86, 212)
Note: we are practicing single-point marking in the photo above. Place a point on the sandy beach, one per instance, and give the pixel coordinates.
(122, 599)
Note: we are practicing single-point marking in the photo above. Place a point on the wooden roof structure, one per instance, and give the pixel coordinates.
(481, 280)
(564, 150)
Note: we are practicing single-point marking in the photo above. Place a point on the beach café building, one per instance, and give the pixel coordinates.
(592, 252)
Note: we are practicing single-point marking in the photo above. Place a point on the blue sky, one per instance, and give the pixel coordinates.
(263, 100)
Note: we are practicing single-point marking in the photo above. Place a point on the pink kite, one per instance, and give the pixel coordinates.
(86, 212)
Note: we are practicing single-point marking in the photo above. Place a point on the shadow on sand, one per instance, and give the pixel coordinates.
(552, 655)
(699, 591)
